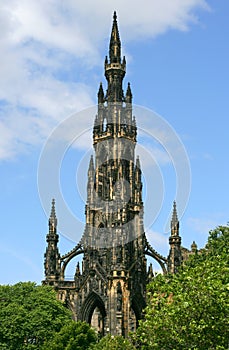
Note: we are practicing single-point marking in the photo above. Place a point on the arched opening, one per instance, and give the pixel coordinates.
(133, 321)
(94, 313)
(159, 259)
(104, 124)
(153, 268)
(68, 257)
(97, 321)
(137, 306)
(102, 241)
(71, 267)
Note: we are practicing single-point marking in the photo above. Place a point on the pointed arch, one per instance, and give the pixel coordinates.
(102, 155)
(104, 124)
(93, 302)
(162, 261)
(65, 259)
(138, 304)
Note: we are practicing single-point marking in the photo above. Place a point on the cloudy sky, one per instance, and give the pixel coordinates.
(52, 56)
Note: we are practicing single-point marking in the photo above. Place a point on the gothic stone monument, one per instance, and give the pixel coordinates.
(109, 289)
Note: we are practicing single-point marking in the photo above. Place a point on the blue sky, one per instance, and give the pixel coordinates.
(52, 55)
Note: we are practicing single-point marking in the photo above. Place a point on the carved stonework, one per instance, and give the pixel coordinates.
(109, 288)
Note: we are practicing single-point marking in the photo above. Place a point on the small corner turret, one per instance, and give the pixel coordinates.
(175, 254)
(101, 94)
(129, 95)
(53, 221)
(52, 255)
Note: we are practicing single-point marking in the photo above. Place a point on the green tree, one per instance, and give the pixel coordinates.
(73, 336)
(190, 310)
(113, 343)
(28, 315)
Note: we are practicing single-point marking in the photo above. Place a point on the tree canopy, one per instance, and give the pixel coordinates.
(113, 343)
(190, 310)
(73, 336)
(29, 314)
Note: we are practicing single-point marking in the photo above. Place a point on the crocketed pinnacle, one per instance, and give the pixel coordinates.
(91, 165)
(138, 165)
(101, 94)
(175, 221)
(128, 94)
(115, 43)
(52, 218)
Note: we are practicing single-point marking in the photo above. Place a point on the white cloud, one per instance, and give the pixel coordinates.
(47, 47)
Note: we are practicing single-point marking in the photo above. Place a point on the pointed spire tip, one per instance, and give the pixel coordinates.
(174, 220)
(53, 210)
(52, 219)
(115, 43)
(91, 164)
(174, 208)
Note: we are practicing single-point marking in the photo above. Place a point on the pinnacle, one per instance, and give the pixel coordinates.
(115, 43)
(53, 211)
(100, 93)
(53, 219)
(128, 94)
(138, 165)
(175, 221)
(193, 246)
(91, 164)
(174, 217)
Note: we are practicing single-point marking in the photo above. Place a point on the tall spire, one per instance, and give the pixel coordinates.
(52, 218)
(115, 43)
(115, 69)
(175, 255)
(90, 183)
(138, 182)
(52, 255)
(174, 221)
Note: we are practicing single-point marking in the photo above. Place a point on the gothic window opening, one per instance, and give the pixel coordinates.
(133, 321)
(104, 124)
(73, 268)
(97, 321)
(93, 312)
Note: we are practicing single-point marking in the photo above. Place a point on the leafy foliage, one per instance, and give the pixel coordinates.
(113, 343)
(73, 336)
(28, 315)
(190, 310)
